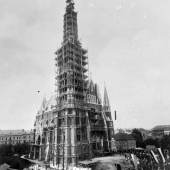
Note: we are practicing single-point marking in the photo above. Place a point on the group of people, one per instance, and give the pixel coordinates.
(142, 159)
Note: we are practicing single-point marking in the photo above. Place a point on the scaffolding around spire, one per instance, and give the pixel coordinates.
(70, 23)
(69, 1)
(70, 5)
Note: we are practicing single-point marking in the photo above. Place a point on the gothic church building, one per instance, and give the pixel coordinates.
(75, 124)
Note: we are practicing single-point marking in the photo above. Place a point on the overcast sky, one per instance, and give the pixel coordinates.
(128, 44)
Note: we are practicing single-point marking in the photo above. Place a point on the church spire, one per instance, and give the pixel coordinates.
(106, 104)
(70, 4)
(69, 1)
(70, 23)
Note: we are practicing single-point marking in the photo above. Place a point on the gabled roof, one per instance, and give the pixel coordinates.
(98, 94)
(47, 105)
(93, 89)
(51, 102)
(43, 105)
(106, 103)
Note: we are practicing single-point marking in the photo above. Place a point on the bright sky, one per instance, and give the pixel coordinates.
(129, 49)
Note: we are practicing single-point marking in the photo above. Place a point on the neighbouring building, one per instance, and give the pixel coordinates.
(119, 130)
(16, 137)
(124, 141)
(74, 124)
(160, 131)
(144, 132)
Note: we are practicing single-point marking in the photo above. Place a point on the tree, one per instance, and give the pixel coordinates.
(165, 142)
(151, 141)
(138, 137)
(10, 154)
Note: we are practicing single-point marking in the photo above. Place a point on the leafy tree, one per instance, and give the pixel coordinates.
(7, 155)
(20, 149)
(165, 142)
(138, 137)
(152, 141)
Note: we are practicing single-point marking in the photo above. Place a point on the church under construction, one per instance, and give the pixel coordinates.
(74, 124)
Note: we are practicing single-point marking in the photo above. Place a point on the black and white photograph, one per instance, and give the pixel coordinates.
(85, 85)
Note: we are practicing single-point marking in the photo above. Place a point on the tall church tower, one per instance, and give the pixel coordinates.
(71, 62)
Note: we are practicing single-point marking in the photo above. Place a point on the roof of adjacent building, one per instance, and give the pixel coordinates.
(161, 127)
(14, 132)
(123, 136)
